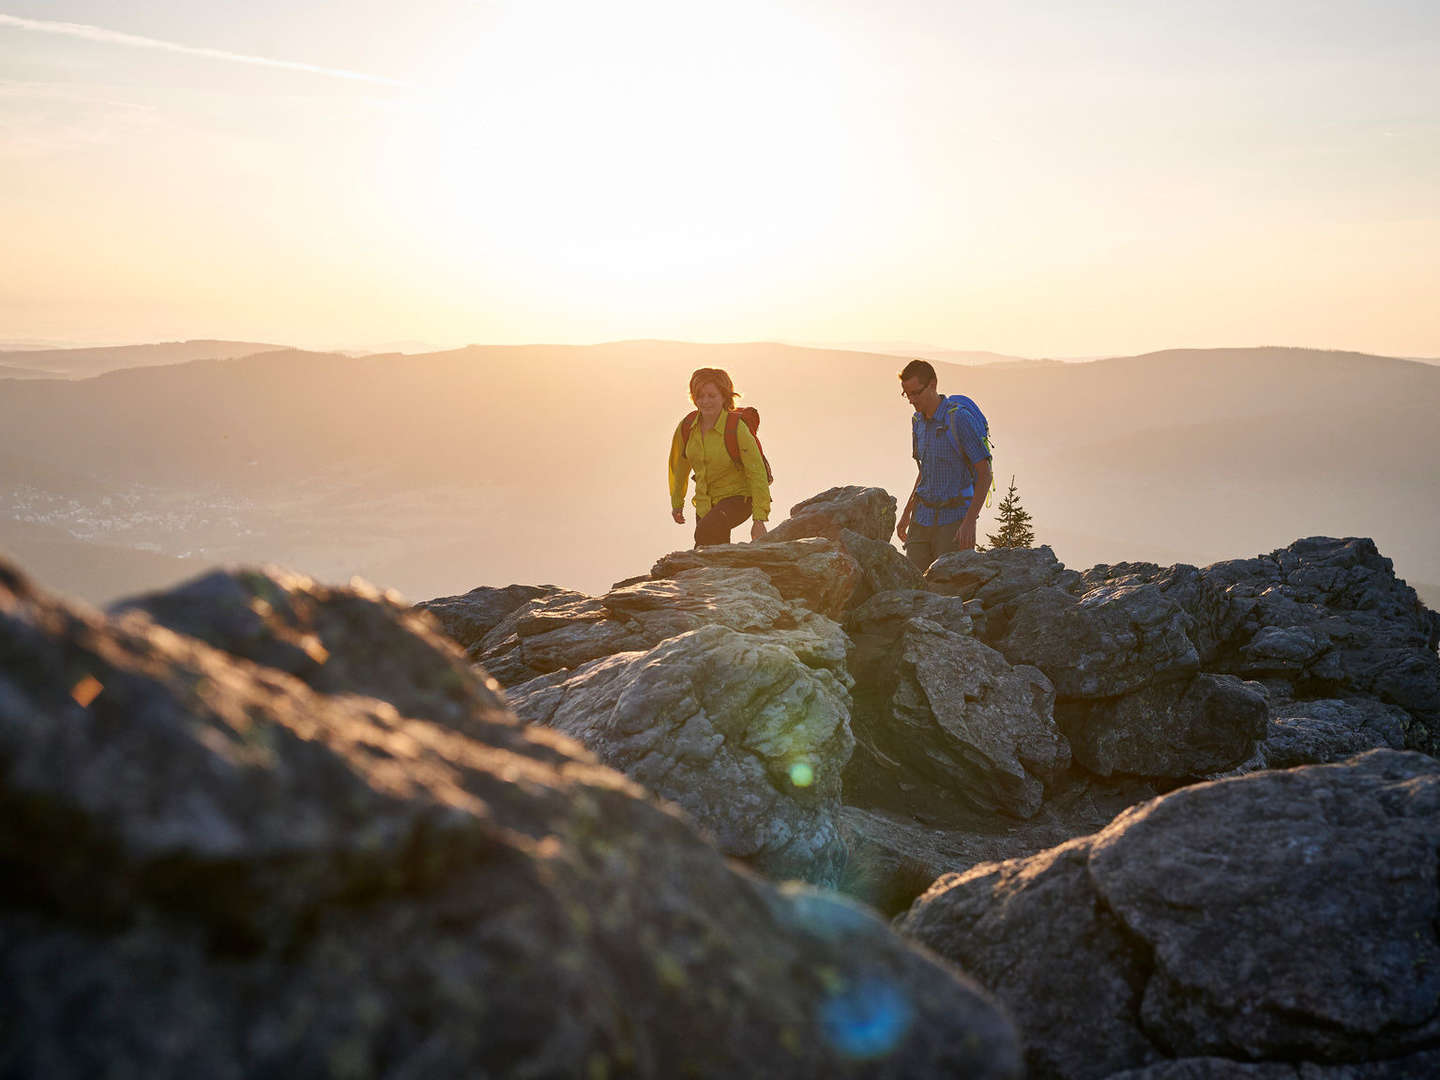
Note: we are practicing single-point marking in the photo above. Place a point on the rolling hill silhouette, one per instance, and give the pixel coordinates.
(87, 362)
(486, 465)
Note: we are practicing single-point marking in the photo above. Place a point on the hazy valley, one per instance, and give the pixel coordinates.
(486, 465)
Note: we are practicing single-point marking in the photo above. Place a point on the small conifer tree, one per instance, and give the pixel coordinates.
(1014, 521)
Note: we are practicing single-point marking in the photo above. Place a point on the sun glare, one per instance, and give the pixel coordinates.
(661, 149)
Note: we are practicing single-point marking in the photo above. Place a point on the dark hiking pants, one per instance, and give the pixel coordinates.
(714, 527)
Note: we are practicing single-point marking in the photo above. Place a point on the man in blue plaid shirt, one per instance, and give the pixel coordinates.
(954, 464)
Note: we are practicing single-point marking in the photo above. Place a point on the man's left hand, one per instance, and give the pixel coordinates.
(965, 536)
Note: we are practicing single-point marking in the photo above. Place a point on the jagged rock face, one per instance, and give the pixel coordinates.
(212, 869)
(882, 568)
(876, 625)
(1327, 616)
(817, 573)
(1286, 915)
(1330, 614)
(1111, 641)
(1179, 730)
(733, 727)
(869, 511)
(338, 640)
(469, 617)
(956, 720)
(565, 630)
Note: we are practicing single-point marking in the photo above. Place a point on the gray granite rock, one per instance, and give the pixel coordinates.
(817, 572)
(869, 511)
(1285, 915)
(1179, 730)
(952, 717)
(212, 869)
(733, 727)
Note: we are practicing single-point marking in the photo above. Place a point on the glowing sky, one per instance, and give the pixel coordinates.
(1067, 178)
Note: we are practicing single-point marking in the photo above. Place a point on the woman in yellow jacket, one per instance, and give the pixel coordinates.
(725, 493)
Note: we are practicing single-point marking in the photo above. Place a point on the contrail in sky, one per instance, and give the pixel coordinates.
(113, 37)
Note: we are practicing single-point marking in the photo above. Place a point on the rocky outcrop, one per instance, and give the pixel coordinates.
(564, 630)
(817, 573)
(868, 511)
(952, 719)
(1284, 916)
(733, 727)
(212, 868)
(861, 520)
(1327, 618)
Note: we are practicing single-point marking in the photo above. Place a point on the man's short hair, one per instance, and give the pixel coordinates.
(918, 369)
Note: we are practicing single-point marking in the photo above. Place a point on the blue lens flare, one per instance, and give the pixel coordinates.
(867, 1020)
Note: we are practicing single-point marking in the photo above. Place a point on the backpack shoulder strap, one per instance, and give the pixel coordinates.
(732, 437)
(686, 427)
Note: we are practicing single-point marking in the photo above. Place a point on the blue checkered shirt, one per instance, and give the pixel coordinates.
(948, 445)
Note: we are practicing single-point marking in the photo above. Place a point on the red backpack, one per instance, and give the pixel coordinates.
(751, 417)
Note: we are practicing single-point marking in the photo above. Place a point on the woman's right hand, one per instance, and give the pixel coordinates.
(679, 516)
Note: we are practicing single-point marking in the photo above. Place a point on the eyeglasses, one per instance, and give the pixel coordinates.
(911, 395)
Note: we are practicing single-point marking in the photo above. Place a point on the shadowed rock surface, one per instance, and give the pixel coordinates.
(469, 617)
(212, 869)
(1176, 730)
(1285, 915)
(353, 640)
(734, 727)
(1326, 616)
(896, 855)
(949, 717)
(1318, 732)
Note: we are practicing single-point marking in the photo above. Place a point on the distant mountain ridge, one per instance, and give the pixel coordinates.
(483, 464)
(89, 362)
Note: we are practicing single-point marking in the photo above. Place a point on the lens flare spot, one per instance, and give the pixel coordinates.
(86, 690)
(868, 1020)
(801, 774)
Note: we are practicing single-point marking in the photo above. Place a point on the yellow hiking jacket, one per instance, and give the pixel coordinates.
(716, 476)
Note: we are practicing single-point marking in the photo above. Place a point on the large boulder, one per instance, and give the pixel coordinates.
(952, 719)
(816, 572)
(869, 511)
(213, 869)
(1111, 641)
(1208, 725)
(1283, 916)
(352, 639)
(999, 575)
(733, 727)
